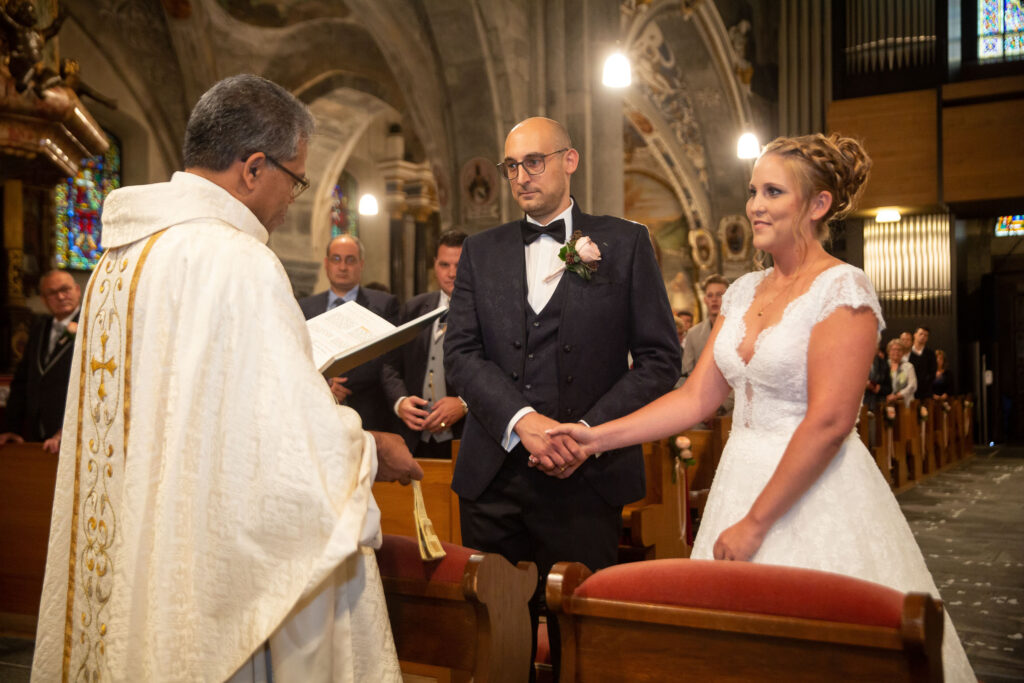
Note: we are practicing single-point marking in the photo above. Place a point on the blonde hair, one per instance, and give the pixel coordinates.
(834, 164)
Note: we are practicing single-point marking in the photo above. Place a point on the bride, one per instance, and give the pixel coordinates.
(795, 486)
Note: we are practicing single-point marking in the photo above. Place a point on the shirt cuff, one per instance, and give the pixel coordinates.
(512, 439)
(398, 403)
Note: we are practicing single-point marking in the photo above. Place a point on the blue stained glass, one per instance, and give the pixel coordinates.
(79, 203)
(344, 216)
(1014, 16)
(990, 47)
(1000, 28)
(990, 17)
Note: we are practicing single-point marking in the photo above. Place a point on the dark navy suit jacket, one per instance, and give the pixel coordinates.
(367, 381)
(623, 309)
(39, 389)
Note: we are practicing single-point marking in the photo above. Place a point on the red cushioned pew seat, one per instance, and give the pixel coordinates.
(738, 621)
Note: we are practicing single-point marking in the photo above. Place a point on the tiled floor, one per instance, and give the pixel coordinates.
(969, 522)
(15, 660)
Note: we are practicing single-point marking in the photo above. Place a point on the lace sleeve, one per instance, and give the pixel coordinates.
(849, 287)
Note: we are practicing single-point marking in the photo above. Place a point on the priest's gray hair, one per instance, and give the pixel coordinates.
(242, 115)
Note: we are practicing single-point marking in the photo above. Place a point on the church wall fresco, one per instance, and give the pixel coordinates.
(455, 76)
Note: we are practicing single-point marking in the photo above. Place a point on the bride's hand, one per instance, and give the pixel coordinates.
(578, 432)
(740, 541)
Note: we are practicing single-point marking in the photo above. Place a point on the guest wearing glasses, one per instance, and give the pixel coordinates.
(362, 388)
(534, 339)
(35, 408)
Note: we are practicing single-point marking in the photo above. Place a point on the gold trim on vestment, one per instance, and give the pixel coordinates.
(100, 530)
(69, 616)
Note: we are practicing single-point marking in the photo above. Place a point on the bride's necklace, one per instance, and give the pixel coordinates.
(782, 291)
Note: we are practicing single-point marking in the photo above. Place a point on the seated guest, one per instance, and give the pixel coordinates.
(942, 387)
(879, 383)
(361, 388)
(901, 374)
(35, 409)
(429, 406)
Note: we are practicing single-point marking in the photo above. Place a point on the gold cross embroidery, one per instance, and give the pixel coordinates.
(109, 365)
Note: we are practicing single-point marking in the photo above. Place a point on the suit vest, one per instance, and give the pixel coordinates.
(540, 370)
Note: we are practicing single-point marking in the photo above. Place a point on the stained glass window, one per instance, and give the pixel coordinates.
(344, 205)
(1007, 226)
(1000, 29)
(79, 201)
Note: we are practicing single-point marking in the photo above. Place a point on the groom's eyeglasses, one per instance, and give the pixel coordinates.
(533, 164)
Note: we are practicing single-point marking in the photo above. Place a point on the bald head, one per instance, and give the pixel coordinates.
(549, 128)
(542, 194)
(344, 263)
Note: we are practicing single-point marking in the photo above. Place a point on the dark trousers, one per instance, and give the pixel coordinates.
(525, 514)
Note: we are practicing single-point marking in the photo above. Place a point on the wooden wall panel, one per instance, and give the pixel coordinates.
(900, 132)
(983, 150)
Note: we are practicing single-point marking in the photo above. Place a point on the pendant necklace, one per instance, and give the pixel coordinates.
(788, 287)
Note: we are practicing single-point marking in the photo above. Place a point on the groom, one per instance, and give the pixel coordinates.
(527, 350)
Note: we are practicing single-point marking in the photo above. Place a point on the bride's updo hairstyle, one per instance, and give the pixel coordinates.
(833, 164)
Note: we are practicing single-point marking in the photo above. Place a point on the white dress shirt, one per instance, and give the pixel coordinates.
(543, 272)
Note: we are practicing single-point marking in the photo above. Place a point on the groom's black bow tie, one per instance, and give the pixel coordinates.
(532, 231)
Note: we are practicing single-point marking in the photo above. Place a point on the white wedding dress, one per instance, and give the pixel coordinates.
(848, 522)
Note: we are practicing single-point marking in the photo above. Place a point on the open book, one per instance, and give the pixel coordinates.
(350, 335)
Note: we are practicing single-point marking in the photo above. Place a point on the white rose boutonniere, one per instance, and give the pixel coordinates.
(580, 255)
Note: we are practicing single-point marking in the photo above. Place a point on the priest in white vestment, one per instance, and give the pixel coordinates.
(211, 496)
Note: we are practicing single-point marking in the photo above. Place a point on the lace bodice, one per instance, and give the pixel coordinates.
(771, 391)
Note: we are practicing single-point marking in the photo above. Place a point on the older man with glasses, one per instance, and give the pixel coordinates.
(545, 315)
(35, 407)
(213, 501)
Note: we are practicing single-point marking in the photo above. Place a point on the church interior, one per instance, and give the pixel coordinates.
(412, 101)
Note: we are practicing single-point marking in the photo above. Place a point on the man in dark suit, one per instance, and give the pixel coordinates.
(924, 362)
(529, 346)
(429, 406)
(362, 388)
(35, 408)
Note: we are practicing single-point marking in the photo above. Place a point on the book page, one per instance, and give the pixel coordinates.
(343, 328)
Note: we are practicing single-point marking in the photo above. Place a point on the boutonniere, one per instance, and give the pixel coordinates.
(580, 255)
(70, 330)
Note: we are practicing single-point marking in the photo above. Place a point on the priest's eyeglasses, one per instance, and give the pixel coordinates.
(533, 164)
(301, 183)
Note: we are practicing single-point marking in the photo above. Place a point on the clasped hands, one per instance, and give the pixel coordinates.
(555, 449)
(440, 417)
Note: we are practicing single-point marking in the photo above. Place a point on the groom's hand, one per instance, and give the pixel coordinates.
(550, 454)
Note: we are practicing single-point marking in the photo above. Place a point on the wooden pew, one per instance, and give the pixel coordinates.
(651, 525)
(703, 620)
(27, 478)
(395, 501)
(468, 611)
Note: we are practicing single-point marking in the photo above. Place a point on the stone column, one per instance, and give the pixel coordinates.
(593, 112)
